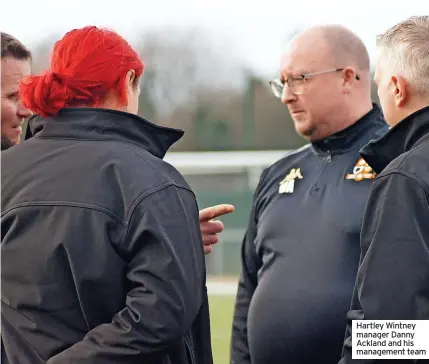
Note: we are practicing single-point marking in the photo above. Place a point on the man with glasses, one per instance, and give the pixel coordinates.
(301, 251)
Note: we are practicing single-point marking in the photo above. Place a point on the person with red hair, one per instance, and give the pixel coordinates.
(102, 255)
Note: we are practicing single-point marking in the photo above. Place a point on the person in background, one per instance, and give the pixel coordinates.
(301, 250)
(15, 65)
(393, 278)
(102, 255)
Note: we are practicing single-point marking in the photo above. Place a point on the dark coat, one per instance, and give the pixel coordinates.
(102, 255)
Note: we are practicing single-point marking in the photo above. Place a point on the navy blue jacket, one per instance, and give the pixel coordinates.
(301, 251)
(393, 278)
(102, 256)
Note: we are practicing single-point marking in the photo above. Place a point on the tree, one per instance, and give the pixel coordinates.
(179, 62)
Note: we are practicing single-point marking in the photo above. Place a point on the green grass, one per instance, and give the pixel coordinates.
(221, 311)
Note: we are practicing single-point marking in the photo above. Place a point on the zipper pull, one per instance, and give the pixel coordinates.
(329, 157)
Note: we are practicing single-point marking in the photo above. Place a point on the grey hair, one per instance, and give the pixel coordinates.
(406, 47)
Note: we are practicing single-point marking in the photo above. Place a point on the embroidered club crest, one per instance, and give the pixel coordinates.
(287, 185)
(361, 171)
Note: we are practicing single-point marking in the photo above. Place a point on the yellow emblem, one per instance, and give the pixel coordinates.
(361, 171)
(288, 183)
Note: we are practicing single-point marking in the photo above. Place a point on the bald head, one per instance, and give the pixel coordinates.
(339, 44)
(327, 71)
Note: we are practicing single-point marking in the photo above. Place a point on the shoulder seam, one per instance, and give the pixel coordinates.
(410, 152)
(144, 195)
(407, 175)
(288, 154)
(65, 204)
(297, 150)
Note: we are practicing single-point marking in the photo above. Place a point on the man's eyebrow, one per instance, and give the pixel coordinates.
(297, 72)
(285, 75)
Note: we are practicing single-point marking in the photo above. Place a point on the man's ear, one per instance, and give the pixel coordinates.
(349, 77)
(400, 90)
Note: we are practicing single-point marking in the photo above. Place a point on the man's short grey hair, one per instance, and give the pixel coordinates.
(406, 48)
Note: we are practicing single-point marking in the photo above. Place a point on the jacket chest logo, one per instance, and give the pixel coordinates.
(288, 183)
(361, 171)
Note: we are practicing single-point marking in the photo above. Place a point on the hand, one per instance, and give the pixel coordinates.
(209, 227)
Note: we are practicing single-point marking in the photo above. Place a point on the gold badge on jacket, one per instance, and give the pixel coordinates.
(361, 171)
(288, 183)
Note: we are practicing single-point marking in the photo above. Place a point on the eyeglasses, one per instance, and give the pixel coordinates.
(298, 84)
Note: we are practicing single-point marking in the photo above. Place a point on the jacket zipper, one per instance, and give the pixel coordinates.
(190, 348)
(328, 160)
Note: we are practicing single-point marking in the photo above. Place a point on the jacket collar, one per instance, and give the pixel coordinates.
(404, 136)
(106, 124)
(350, 137)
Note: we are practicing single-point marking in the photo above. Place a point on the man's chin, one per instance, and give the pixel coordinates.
(6, 143)
(305, 132)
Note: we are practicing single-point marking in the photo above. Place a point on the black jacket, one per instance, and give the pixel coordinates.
(102, 256)
(393, 277)
(301, 251)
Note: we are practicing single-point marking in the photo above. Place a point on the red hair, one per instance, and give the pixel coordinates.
(86, 65)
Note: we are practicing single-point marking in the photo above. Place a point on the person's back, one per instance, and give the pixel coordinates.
(393, 277)
(102, 257)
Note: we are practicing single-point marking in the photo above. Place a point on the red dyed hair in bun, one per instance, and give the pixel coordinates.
(86, 65)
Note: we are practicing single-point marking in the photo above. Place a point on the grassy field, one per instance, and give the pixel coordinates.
(221, 311)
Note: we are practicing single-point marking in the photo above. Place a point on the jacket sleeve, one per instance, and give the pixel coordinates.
(392, 280)
(166, 276)
(251, 263)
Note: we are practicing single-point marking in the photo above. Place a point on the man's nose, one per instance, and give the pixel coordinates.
(287, 96)
(23, 112)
